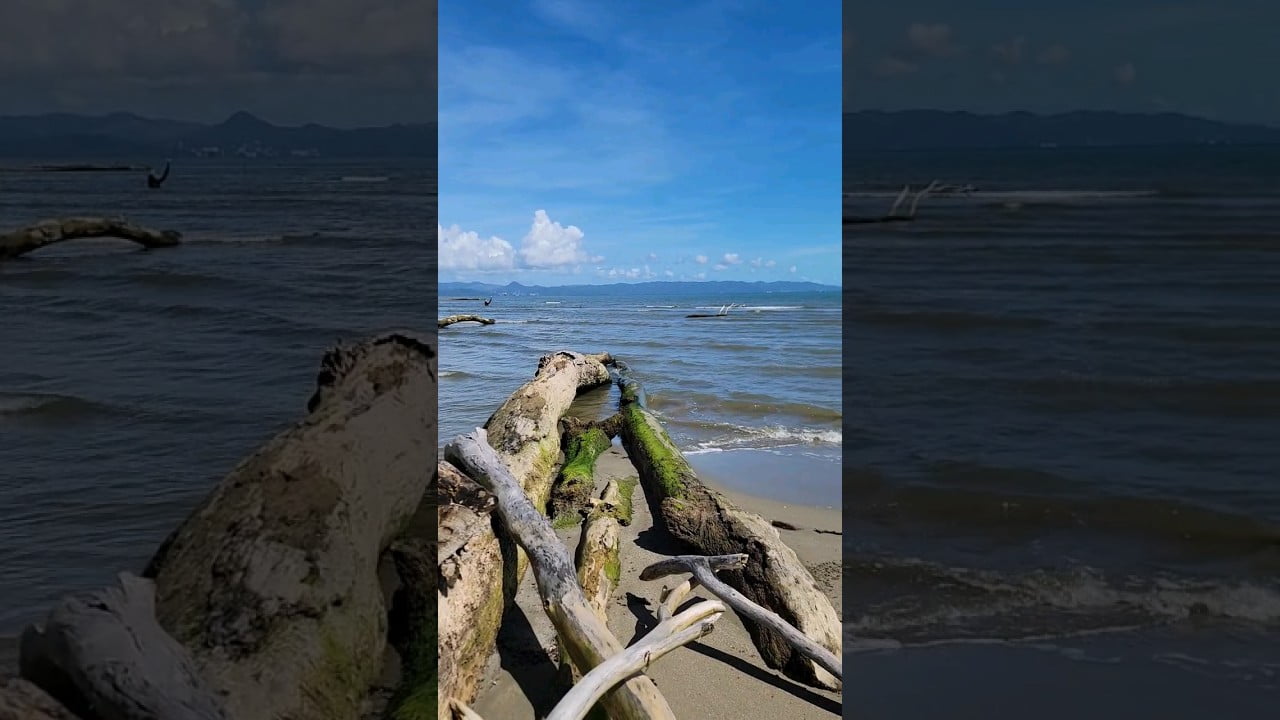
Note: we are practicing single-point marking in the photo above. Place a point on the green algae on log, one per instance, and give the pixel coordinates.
(583, 634)
(774, 577)
(577, 481)
(33, 237)
(480, 577)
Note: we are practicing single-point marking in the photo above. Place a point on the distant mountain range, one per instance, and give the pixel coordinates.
(709, 287)
(939, 129)
(126, 136)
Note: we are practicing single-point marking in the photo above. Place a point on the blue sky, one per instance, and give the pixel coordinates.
(589, 142)
(1211, 58)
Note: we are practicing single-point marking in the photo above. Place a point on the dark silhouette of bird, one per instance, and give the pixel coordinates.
(155, 181)
(486, 302)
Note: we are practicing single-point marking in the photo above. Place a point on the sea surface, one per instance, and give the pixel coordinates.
(752, 398)
(132, 381)
(1064, 393)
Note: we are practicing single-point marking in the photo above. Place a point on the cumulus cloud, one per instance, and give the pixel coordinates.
(550, 244)
(668, 273)
(719, 266)
(762, 263)
(652, 256)
(792, 270)
(731, 259)
(464, 250)
(701, 259)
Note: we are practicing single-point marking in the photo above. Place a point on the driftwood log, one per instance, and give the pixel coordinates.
(33, 237)
(773, 578)
(452, 319)
(599, 566)
(582, 447)
(102, 653)
(272, 582)
(582, 632)
(702, 569)
(480, 567)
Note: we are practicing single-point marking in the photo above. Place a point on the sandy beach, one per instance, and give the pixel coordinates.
(720, 677)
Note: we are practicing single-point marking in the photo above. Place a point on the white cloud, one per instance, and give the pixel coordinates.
(701, 259)
(731, 259)
(465, 250)
(770, 263)
(550, 244)
(720, 266)
(652, 257)
(793, 269)
(668, 273)
(762, 263)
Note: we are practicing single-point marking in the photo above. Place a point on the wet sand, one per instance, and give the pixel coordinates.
(721, 677)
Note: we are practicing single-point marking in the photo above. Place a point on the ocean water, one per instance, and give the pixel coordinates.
(1065, 399)
(760, 386)
(132, 381)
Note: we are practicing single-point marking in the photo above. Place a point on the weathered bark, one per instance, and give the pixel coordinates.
(702, 568)
(707, 521)
(583, 635)
(103, 652)
(33, 237)
(577, 478)
(474, 593)
(475, 585)
(272, 582)
(597, 554)
(447, 321)
(23, 700)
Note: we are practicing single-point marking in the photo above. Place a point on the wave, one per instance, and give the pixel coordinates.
(678, 407)
(912, 601)
(751, 308)
(50, 407)
(1044, 502)
(744, 436)
(456, 374)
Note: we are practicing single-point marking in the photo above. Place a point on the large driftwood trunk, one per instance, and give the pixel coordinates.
(475, 591)
(272, 583)
(706, 520)
(24, 240)
(102, 653)
(583, 633)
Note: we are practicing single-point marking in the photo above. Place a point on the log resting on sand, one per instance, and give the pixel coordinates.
(452, 319)
(272, 582)
(599, 566)
(702, 568)
(583, 634)
(773, 578)
(479, 576)
(33, 237)
(583, 445)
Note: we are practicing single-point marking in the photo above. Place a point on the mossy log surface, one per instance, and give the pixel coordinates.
(577, 483)
(583, 634)
(272, 582)
(483, 567)
(773, 578)
(33, 237)
(597, 555)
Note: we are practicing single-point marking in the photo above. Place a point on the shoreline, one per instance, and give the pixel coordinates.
(720, 677)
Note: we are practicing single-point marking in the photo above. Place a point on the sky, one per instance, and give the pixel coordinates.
(1210, 58)
(595, 142)
(344, 63)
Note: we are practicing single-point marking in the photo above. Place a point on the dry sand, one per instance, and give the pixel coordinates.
(721, 677)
